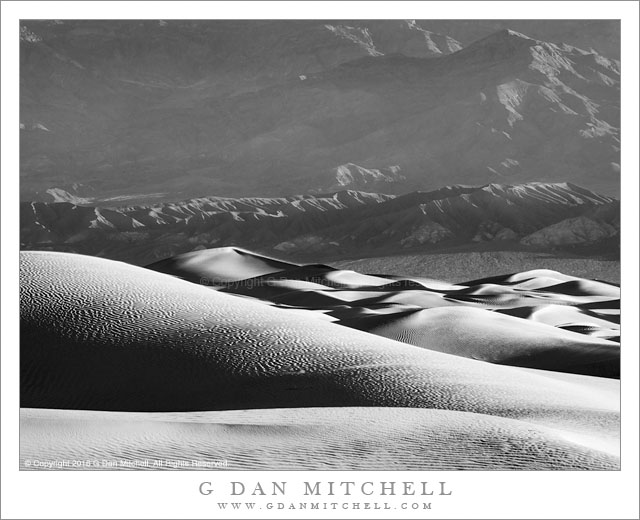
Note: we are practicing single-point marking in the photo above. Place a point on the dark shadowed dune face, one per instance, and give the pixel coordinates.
(107, 336)
(219, 266)
(320, 244)
(175, 345)
(537, 319)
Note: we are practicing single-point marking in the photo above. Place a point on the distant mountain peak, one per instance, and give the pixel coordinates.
(127, 106)
(502, 45)
(555, 192)
(351, 174)
(505, 36)
(511, 32)
(452, 45)
(555, 55)
(549, 214)
(27, 35)
(358, 35)
(406, 37)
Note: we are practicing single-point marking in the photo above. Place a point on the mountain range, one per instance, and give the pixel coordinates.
(539, 216)
(134, 112)
(320, 244)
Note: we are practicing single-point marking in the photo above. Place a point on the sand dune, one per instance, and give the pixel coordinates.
(554, 281)
(585, 288)
(427, 283)
(172, 345)
(539, 319)
(560, 315)
(548, 276)
(224, 264)
(103, 335)
(306, 438)
(497, 338)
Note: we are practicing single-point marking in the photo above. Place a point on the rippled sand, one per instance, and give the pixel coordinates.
(537, 319)
(303, 439)
(108, 336)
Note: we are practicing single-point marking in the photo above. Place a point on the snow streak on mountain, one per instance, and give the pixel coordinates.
(143, 111)
(530, 216)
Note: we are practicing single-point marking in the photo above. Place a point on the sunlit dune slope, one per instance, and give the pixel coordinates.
(539, 318)
(98, 334)
(224, 264)
(498, 338)
(307, 438)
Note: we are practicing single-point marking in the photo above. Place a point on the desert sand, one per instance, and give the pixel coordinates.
(180, 362)
(304, 439)
(537, 319)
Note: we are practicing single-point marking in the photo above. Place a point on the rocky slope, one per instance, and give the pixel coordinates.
(535, 215)
(160, 111)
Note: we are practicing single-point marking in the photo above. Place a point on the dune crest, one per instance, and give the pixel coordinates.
(536, 319)
(219, 265)
(103, 335)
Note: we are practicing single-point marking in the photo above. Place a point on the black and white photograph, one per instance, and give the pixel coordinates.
(321, 244)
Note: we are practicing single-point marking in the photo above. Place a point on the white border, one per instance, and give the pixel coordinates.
(162, 495)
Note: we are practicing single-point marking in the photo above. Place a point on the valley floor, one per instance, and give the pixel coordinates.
(464, 266)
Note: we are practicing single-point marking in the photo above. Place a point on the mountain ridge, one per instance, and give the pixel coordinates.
(343, 223)
(547, 112)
